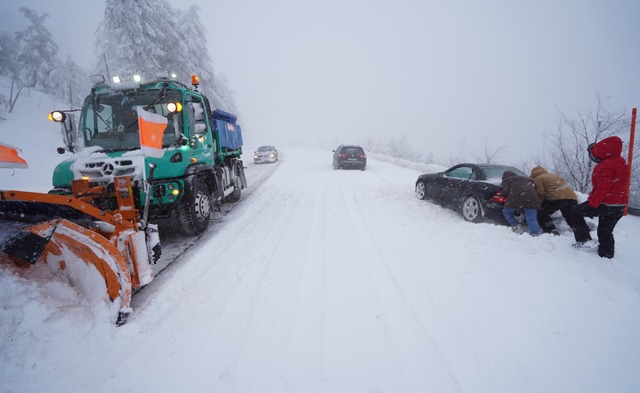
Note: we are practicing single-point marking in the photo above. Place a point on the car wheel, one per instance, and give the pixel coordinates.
(471, 209)
(421, 190)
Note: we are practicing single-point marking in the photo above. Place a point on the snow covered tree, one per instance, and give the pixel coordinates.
(70, 83)
(143, 36)
(8, 54)
(8, 67)
(195, 57)
(28, 58)
(37, 52)
(135, 36)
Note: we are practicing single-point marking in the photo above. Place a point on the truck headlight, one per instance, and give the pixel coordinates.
(173, 107)
(57, 116)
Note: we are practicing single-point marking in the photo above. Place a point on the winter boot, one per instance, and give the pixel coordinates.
(587, 245)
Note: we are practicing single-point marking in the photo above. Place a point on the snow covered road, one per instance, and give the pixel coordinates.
(342, 281)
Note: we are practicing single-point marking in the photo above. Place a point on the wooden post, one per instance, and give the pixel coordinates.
(630, 160)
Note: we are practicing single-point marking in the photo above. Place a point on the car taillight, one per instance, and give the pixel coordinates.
(343, 155)
(363, 156)
(498, 197)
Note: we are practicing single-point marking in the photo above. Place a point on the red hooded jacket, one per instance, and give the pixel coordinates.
(610, 175)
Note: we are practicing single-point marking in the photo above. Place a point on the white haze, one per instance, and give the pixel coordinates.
(450, 77)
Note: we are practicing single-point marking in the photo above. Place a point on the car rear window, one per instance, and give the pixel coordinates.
(497, 172)
(353, 150)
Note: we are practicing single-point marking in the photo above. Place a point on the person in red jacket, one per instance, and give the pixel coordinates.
(608, 196)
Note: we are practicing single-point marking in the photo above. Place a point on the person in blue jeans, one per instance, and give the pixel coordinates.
(520, 193)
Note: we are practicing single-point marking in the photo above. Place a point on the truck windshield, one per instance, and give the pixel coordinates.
(110, 120)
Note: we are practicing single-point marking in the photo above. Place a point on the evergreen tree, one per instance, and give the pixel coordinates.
(135, 36)
(8, 54)
(37, 53)
(29, 58)
(195, 57)
(70, 83)
(143, 36)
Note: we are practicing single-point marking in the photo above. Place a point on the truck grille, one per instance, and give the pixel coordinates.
(104, 171)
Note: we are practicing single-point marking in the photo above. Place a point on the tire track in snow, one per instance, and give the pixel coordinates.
(308, 332)
(453, 332)
(178, 249)
(464, 343)
(270, 282)
(378, 266)
(461, 344)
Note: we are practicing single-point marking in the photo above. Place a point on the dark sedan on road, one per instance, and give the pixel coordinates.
(472, 189)
(349, 156)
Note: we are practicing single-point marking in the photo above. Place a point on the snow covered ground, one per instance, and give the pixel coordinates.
(334, 281)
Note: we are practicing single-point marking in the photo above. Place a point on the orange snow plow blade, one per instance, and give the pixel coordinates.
(70, 233)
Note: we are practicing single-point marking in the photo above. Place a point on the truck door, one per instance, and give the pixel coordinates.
(199, 127)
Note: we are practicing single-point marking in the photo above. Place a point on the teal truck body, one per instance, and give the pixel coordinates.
(197, 168)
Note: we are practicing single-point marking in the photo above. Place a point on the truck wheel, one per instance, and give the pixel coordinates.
(237, 191)
(194, 210)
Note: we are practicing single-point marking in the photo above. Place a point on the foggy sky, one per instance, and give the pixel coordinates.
(449, 76)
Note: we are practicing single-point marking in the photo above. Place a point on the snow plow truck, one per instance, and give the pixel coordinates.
(141, 152)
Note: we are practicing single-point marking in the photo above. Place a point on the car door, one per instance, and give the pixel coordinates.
(336, 153)
(453, 184)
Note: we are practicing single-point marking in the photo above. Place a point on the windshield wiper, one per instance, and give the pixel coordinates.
(161, 94)
(96, 113)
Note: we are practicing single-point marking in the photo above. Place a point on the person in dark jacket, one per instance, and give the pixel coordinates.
(557, 195)
(520, 193)
(608, 196)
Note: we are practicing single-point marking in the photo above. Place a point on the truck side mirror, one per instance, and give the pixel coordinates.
(66, 120)
(198, 112)
(200, 128)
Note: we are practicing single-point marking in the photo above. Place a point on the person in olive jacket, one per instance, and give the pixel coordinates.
(557, 195)
(608, 197)
(520, 193)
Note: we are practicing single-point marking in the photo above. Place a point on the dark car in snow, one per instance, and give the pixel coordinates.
(474, 190)
(349, 156)
(265, 154)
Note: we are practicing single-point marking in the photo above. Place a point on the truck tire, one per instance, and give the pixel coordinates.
(195, 209)
(237, 191)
